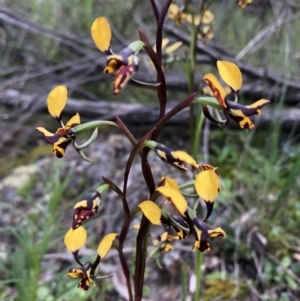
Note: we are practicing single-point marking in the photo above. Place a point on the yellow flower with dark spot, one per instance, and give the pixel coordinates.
(87, 270)
(190, 224)
(85, 273)
(56, 102)
(202, 232)
(164, 241)
(231, 75)
(178, 159)
(207, 187)
(175, 13)
(122, 65)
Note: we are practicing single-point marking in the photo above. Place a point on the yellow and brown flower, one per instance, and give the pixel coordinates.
(164, 241)
(206, 184)
(184, 226)
(176, 13)
(122, 65)
(177, 222)
(85, 209)
(203, 232)
(87, 270)
(168, 52)
(231, 75)
(64, 135)
(178, 159)
(85, 273)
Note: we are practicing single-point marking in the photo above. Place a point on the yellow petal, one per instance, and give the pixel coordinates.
(208, 17)
(57, 100)
(243, 120)
(173, 47)
(112, 66)
(175, 197)
(176, 14)
(207, 90)
(174, 9)
(217, 232)
(231, 74)
(75, 239)
(207, 185)
(151, 211)
(75, 120)
(164, 43)
(258, 104)
(106, 244)
(164, 236)
(101, 33)
(197, 19)
(217, 89)
(45, 132)
(169, 182)
(183, 156)
(75, 273)
(168, 248)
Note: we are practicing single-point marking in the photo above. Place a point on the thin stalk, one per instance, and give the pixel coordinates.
(198, 271)
(197, 132)
(190, 72)
(183, 276)
(196, 128)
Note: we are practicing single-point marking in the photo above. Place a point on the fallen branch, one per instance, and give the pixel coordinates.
(135, 114)
(87, 67)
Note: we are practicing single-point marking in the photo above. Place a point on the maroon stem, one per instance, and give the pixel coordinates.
(123, 234)
(162, 89)
(155, 10)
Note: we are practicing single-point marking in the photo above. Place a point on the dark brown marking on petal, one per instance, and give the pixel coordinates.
(122, 76)
(165, 154)
(62, 131)
(217, 94)
(84, 284)
(58, 153)
(52, 139)
(241, 119)
(204, 246)
(209, 207)
(89, 207)
(246, 111)
(60, 148)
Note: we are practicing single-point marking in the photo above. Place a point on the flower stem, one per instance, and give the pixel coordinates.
(198, 271)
